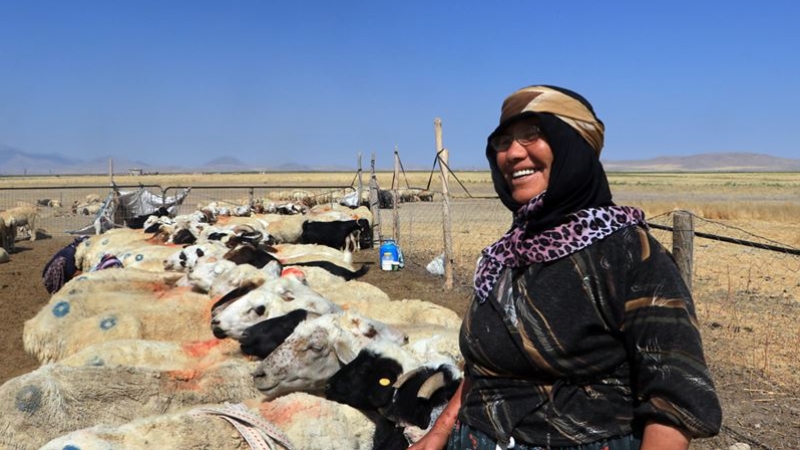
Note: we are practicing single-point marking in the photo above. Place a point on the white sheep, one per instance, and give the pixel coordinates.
(285, 229)
(308, 422)
(155, 355)
(406, 311)
(115, 241)
(55, 399)
(22, 217)
(83, 313)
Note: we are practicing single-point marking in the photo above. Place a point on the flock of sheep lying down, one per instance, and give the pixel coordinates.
(235, 340)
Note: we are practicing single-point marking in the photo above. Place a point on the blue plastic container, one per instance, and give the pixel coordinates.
(389, 254)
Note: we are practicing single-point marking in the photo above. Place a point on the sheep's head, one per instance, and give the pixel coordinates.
(240, 309)
(314, 352)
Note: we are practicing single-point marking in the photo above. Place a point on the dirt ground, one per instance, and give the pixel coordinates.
(760, 414)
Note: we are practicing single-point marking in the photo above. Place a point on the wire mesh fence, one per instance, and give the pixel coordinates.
(747, 296)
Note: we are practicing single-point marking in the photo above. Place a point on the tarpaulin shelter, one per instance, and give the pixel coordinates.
(120, 208)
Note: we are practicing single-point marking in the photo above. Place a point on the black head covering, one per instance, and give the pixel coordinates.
(577, 179)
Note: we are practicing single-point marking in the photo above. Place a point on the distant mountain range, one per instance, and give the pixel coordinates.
(17, 162)
(707, 162)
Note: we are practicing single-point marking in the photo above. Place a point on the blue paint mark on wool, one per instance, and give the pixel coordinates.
(61, 309)
(70, 447)
(29, 399)
(104, 242)
(139, 257)
(108, 323)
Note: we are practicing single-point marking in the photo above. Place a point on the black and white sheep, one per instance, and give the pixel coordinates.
(380, 379)
(262, 338)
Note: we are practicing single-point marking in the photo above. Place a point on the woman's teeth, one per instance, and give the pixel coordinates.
(522, 173)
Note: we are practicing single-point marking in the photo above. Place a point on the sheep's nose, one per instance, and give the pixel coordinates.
(219, 333)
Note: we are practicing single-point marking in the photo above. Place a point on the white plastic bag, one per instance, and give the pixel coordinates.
(436, 266)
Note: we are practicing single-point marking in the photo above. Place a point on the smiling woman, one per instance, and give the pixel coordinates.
(577, 297)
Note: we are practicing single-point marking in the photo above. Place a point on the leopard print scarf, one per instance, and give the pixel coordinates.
(579, 231)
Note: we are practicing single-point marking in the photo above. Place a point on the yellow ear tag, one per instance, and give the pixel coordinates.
(385, 381)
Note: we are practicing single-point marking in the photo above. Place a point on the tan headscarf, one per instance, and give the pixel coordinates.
(542, 99)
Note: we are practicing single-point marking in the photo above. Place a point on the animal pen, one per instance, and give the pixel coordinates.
(746, 287)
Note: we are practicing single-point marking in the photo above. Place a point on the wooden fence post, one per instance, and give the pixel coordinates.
(374, 207)
(683, 244)
(442, 155)
(396, 199)
(360, 186)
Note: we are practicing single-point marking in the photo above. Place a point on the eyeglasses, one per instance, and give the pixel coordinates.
(524, 135)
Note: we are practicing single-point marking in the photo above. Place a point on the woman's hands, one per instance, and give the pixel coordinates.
(436, 438)
(663, 437)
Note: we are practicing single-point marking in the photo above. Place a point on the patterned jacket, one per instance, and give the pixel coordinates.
(587, 347)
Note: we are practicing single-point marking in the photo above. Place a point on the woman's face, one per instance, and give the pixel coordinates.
(524, 159)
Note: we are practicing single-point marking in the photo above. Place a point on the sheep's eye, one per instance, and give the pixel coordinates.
(316, 348)
(200, 253)
(260, 310)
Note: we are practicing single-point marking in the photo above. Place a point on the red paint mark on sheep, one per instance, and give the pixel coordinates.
(199, 349)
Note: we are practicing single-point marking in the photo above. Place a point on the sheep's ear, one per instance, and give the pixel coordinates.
(344, 352)
(286, 294)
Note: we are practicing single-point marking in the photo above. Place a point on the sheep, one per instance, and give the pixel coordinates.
(86, 209)
(8, 236)
(249, 254)
(315, 350)
(263, 337)
(92, 198)
(232, 235)
(207, 275)
(22, 217)
(114, 241)
(155, 355)
(85, 312)
(273, 298)
(145, 257)
(288, 253)
(258, 257)
(336, 234)
(307, 422)
(338, 212)
(384, 379)
(409, 311)
(55, 399)
(335, 261)
(184, 259)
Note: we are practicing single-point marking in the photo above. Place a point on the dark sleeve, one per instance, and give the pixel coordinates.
(671, 382)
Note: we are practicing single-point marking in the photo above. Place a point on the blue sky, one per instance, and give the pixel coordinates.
(316, 82)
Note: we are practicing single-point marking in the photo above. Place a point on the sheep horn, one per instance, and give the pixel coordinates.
(404, 377)
(431, 385)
